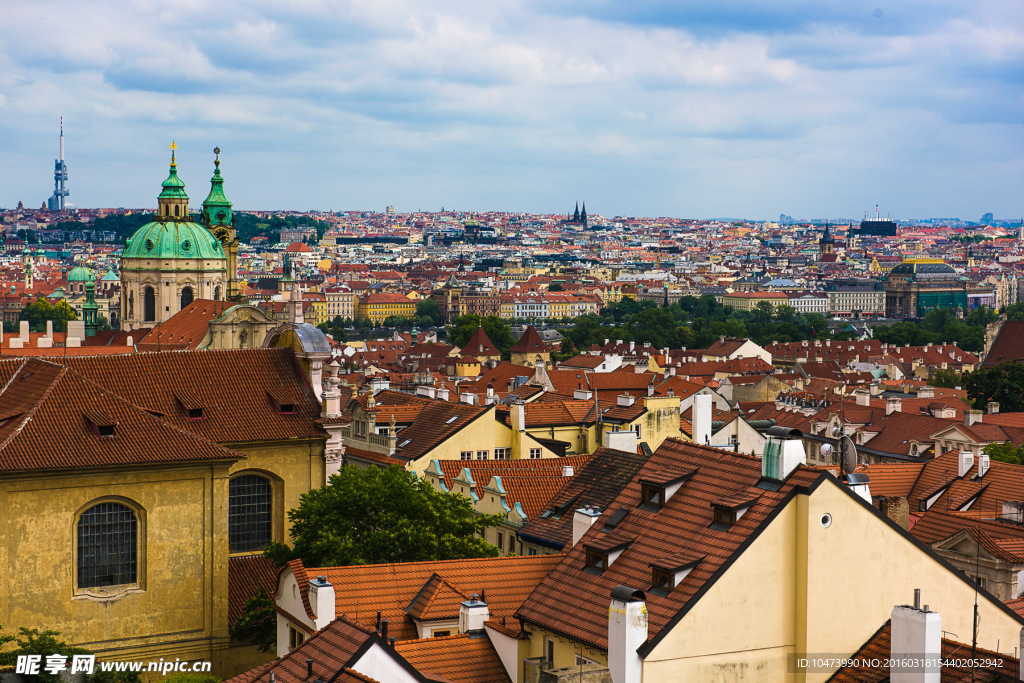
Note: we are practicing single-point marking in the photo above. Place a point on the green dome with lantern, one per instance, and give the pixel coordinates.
(81, 273)
(173, 235)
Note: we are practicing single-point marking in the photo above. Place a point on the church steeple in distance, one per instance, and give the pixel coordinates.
(219, 218)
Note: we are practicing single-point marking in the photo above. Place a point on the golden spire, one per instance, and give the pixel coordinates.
(174, 146)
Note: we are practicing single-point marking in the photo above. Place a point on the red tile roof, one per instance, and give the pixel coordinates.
(247, 574)
(185, 329)
(53, 418)
(459, 659)
(392, 589)
(684, 521)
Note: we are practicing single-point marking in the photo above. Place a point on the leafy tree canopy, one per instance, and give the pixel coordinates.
(1002, 383)
(371, 516)
(39, 311)
(257, 624)
(498, 331)
(1005, 452)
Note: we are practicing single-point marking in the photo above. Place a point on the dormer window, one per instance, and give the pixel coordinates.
(100, 423)
(282, 404)
(604, 550)
(195, 414)
(657, 491)
(727, 511)
(669, 572)
(596, 560)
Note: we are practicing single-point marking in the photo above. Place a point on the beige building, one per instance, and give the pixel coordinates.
(172, 261)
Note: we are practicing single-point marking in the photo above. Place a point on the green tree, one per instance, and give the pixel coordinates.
(372, 516)
(949, 379)
(428, 308)
(1005, 452)
(102, 323)
(258, 622)
(32, 641)
(39, 311)
(556, 287)
(1003, 383)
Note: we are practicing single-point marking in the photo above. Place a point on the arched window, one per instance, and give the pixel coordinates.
(216, 293)
(186, 296)
(175, 210)
(150, 305)
(107, 545)
(250, 513)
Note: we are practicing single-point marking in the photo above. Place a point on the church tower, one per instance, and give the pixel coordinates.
(218, 217)
(826, 245)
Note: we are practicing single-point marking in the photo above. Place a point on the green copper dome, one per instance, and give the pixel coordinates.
(170, 239)
(173, 187)
(81, 274)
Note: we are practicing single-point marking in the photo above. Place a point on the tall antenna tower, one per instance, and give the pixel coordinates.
(58, 202)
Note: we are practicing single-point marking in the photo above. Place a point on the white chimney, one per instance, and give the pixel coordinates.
(582, 520)
(926, 392)
(783, 452)
(916, 644)
(964, 463)
(472, 615)
(582, 395)
(863, 398)
(701, 421)
(627, 631)
(49, 334)
(993, 407)
(321, 599)
(625, 400)
(893, 404)
(518, 416)
(983, 464)
(24, 333)
(621, 441)
(972, 417)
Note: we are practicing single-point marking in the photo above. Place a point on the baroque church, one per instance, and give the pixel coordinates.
(171, 261)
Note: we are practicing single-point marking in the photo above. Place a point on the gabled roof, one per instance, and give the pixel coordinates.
(459, 659)
(393, 589)
(875, 653)
(530, 342)
(334, 650)
(480, 344)
(233, 385)
(53, 418)
(685, 521)
(529, 482)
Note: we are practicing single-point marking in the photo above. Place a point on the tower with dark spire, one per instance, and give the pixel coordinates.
(219, 218)
(583, 216)
(826, 245)
(576, 214)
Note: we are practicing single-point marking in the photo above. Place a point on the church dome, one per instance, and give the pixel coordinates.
(172, 239)
(81, 274)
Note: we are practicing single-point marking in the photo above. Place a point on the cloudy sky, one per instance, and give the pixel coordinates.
(741, 108)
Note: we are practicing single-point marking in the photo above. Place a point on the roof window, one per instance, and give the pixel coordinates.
(727, 511)
(658, 490)
(100, 423)
(669, 572)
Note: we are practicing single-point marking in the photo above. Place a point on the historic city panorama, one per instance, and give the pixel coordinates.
(619, 345)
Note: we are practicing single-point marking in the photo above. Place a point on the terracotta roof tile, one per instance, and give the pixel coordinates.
(391, 588)
(685, 521)
(460, 659)
(246, 576)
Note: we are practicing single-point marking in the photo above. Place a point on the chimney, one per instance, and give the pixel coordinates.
(321, 599)
(568, 470)
(23, 332)
(472, 615)
(916, 640)
(893, 404)
(983, 464)
(384, 629)
(631, 346)
(627, 631)
(875, 388)
(926, 392)
(49, 335)
(964, 463)
(518, 416)
(582, 394)
(701, 419)
(625, 400)
(993, 407)
(442, 394)
(972, 417)
(582, 520)
(621, 441)
(863, 397)
(783, 452)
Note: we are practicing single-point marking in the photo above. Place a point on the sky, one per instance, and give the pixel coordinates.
(738, 108)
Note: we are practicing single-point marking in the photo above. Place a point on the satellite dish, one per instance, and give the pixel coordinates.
(825, 450)
(848, 454)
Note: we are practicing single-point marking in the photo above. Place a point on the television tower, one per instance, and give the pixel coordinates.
(58, 201)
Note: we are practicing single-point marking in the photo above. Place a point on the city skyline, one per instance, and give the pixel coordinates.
(738, 110)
